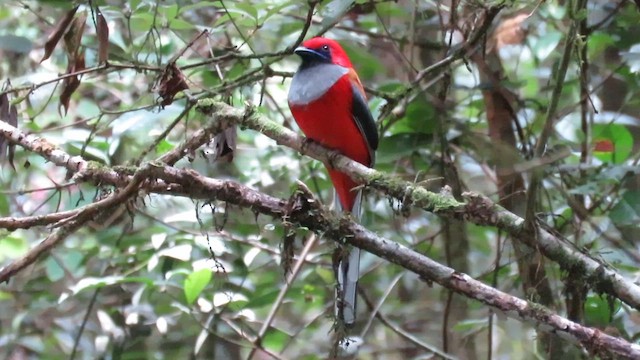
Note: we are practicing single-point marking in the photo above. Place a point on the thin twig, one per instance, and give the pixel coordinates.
(401, 332)
(310, 242)
(164, 133)
(550, 116)
(70, 224)
(305, 27)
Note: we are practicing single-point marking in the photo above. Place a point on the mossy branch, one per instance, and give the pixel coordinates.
(477, 209)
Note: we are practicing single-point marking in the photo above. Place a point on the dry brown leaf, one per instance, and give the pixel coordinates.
(103, 37)
(73, 37)
(71, 84)
(56, 35)
(4, 115)
(8, 114)
(73, 40)
(221, 147)
(171, 82)
(511, 31)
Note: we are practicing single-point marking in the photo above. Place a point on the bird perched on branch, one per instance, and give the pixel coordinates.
(329, 104)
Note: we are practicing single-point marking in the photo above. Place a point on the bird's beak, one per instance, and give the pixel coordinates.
(309, 54)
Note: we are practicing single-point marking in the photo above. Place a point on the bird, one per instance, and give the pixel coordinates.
(329, 104)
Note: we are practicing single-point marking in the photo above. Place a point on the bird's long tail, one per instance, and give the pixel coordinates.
(347, 275)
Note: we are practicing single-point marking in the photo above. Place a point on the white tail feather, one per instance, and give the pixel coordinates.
(347, 276)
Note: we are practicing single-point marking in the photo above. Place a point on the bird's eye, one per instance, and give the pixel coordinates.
(325, 47)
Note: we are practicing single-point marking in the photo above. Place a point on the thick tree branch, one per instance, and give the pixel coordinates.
(12, 223)
(42, 247)
(42, 147)
(478, 209)
(73, 223)
(307, 213)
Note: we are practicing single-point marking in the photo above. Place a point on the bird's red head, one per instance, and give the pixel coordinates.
(319, 49)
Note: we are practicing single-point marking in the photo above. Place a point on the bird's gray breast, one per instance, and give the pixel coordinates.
(309, 84)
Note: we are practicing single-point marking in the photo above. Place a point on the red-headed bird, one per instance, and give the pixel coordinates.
(329, 104)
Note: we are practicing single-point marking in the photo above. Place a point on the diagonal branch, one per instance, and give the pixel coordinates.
(283, 291)
(307, 212)
(478, 209)
(73, 223)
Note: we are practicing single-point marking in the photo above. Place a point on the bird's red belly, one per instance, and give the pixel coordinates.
(329, 121)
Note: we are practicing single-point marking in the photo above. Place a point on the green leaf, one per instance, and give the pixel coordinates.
(393, 148)
(275, 339)
(195, 283)
(581, 15)
(599, 42)
(325, 274)
(5, 295)
(627, 210)
(71, 259)
(471, 325)
(419, 118)
(266, 298)
(545, 45)
(247, 9)
(230, 300)
(11, 247)
(4, 204)
(221, 20)
(275, 10)
(169, 11)
(141, 21)
(366, 64)
(618, 136)
(335, 10)
(179, 24)
(598, 311)
(164, 146)
(388, 9)
(53, 269)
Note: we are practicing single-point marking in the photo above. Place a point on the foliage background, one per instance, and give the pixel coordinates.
(143, 283)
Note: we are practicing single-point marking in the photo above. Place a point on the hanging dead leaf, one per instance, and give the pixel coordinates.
(73, 37)
(4, 106)
(103, 37)
(4, 115)
(171, 82)
(8, 114)
(58, 31)
(71, 84)
(221, 147)
(511, 31)
(288, 248)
